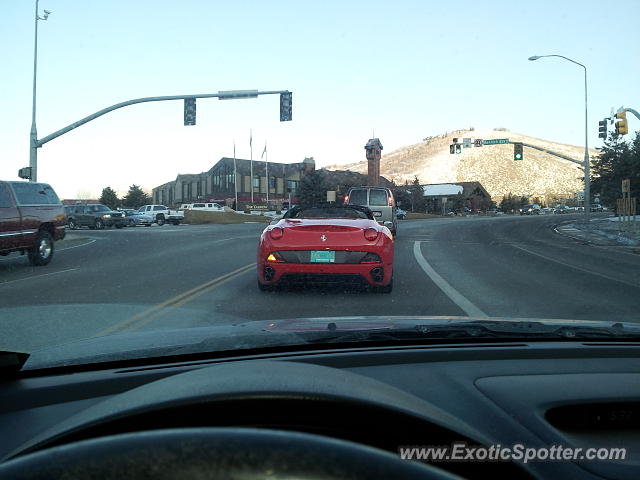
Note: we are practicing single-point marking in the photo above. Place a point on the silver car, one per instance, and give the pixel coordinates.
(133, 218)
(379, 200)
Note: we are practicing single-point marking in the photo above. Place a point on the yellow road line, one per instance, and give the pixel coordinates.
(124, 323)
(168, 309)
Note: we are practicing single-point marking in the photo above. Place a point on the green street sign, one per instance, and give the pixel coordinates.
(496, 141)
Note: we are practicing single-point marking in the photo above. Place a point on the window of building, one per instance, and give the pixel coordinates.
(256, 183)
(292, 186)
(186, 190)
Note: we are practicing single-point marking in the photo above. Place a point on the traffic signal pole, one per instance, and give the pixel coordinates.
(550, 152)
(631, 110)
(232, 94)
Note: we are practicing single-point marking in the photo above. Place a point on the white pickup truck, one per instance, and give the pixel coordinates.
(161, 214)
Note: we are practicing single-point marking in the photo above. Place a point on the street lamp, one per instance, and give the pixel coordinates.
(33, 135)
(587, 180)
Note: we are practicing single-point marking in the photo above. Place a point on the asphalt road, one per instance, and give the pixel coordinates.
(136, 279)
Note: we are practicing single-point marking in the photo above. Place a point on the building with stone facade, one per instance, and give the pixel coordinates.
(217, 184)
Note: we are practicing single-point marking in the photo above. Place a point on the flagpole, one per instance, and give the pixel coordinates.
(235, 174)
(251, 147)
(266, 167)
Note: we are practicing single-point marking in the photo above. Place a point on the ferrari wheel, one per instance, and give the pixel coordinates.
(264, 288)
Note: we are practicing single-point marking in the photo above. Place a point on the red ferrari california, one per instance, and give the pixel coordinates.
(326, 244)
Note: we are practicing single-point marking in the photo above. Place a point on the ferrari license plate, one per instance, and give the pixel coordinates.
(323, 256)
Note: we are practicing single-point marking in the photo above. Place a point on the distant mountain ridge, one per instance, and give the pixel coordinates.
(538, 174)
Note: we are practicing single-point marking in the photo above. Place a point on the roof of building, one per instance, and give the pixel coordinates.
(374, 143)
(75, 201)
(335, 178)
(467, 189)
(441, 190)
(243, 166)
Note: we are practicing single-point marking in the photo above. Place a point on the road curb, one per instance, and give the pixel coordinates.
(568, 230)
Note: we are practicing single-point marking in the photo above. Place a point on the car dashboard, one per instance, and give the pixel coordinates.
(573, 393)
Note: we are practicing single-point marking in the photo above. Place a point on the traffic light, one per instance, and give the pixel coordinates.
(622, 128)
(285, 106)
(517, 151)
(455, 140)
(458, 148)
(602, 129)
(452, 148)
(25, 173)
(189, 111)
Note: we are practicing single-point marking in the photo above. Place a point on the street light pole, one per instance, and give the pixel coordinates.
(586, 162)
(33, 134)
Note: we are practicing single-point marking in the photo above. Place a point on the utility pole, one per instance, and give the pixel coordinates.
(586, 162)
(33, 134)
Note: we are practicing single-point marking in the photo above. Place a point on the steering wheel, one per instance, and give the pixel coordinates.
(216, 453)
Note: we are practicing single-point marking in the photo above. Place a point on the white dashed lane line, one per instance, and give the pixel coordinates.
(32, 277)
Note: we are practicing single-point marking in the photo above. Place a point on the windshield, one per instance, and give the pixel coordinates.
(372, 162)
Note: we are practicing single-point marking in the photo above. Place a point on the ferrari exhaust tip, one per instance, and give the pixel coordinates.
(377, 274)
(269, 273)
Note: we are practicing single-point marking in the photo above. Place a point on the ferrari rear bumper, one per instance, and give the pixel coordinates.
(376, 274)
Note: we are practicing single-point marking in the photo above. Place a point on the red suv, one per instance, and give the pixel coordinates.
(31, 219)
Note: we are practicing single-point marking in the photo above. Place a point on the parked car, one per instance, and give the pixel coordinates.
(401, 214)
(560, 209)
(133, 218)
(94, 216)
(596, 207)
(32, 218)
(379, 200)
(530, 209)
(161, 214)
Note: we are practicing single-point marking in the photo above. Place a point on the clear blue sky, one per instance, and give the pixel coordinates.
(407, 69)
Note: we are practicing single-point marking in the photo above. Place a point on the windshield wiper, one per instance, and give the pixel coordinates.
(475, 329)
(11, 362)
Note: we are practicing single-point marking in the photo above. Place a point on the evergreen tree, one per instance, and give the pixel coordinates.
(136, 197)
(312, 189)
(417, 196)
(109, 198)
(618, 160)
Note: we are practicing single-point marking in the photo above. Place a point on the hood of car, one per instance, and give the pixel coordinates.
(233, 334)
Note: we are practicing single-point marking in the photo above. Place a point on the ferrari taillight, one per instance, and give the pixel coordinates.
(276, 233)
(274, 257)
(371, 234)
